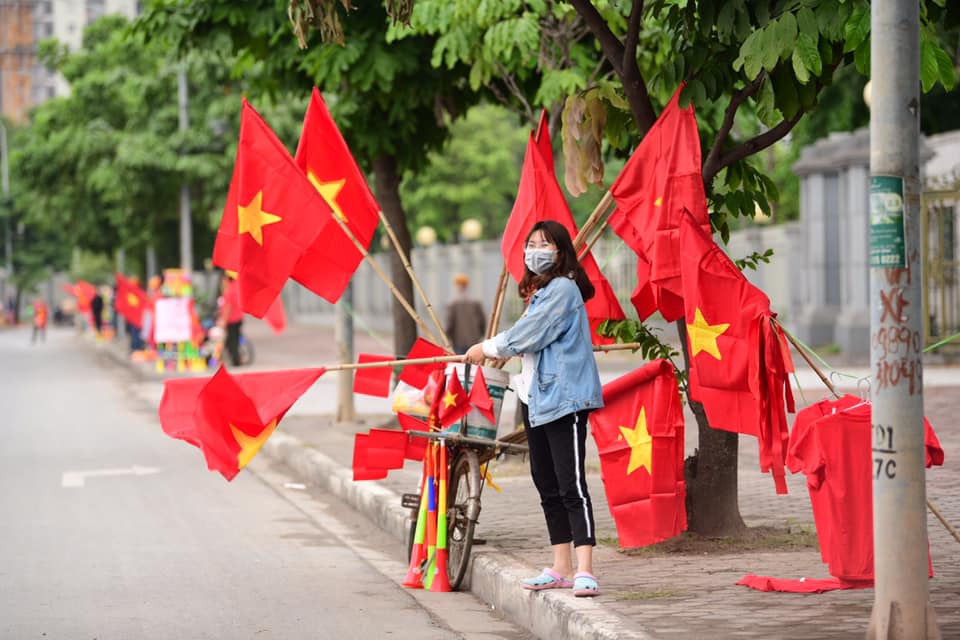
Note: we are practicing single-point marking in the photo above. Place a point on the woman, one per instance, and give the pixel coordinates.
(558, 386)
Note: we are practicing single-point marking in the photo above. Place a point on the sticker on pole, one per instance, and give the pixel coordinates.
(887, 246)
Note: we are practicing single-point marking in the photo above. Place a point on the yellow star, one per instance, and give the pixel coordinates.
(641, 444)
(133, 300)
(250, 445)
(449, 399)
(252, 218)
(703, 336)
(658, 202)
(329, 191)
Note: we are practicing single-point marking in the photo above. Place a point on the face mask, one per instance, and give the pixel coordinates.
(538, 260)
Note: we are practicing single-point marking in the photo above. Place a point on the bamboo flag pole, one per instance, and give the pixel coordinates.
(498, 302)
(442, 359)
(595, 216)
(803, 354)
(383, 276)
(416, 283)
(833, 390)
(594, 239)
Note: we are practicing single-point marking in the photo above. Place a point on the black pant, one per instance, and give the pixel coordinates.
(557, 467)
(232, 343)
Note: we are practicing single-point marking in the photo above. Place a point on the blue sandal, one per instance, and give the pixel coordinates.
(585, 585)
(549, 579)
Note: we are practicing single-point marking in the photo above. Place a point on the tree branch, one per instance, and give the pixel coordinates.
(754, 145)
(709, 168)
(633, 85)
(609, 43)
(622, 58)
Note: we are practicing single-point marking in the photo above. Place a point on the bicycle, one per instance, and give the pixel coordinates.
(464, 487)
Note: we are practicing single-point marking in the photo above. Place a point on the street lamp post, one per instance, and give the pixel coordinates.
(471, 230)
(186, 223)
(7, 236)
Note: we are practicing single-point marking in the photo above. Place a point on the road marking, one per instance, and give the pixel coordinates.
(74, 479)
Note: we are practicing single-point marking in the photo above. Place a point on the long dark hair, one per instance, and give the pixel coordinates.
(564, 266)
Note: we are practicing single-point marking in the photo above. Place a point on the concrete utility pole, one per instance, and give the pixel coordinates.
(901, 606)
(186, 232)
(343, 335)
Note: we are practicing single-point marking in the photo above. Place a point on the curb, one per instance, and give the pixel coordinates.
(492, 576)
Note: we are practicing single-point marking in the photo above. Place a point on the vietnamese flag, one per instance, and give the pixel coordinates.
(276, 316)
(660, 180)
(639, 434)
(539, 197)
(723, 312)
(273, 214)
(130, 301)
(373, 381)
(323, 155)
(201, 410)
(738, 361)
(454, 403)
(83, 291)
(480, 396)
(377, 452)
(416, 375)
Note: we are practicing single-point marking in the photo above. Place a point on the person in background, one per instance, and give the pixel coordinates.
(466, 323)
(40, 314)
(558, 386)
(96, 310)
(136, 340)
(231, 317)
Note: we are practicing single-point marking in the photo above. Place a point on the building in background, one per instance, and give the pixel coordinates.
(24, 82)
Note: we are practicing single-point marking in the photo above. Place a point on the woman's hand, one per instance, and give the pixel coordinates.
(474, 354)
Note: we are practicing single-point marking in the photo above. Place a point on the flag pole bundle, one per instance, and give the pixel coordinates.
(418, 552)
(441, 581)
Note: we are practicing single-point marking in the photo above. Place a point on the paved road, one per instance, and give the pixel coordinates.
(110, 529)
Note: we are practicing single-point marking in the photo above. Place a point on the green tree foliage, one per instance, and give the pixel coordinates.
(753, 69)
(392, 107)
(474, 176)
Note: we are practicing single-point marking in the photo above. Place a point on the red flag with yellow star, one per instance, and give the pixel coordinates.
(738, 360)
(539, 197)
(227, 416)
(327, 266)
(272, 215)
(130, 301)
(639, 434)
(660, 180)
(454, 403)
(723, 313)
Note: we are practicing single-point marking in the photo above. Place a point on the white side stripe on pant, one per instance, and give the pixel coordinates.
(577, 458)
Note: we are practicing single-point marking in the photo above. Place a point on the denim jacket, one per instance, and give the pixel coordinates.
(556, 331)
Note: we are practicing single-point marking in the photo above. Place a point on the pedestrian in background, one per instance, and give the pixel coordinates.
(466, 324)
(39, 320)
(231, 317)
(558, 386)
(96, 310)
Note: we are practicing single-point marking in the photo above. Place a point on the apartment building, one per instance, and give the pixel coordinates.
(24, 82)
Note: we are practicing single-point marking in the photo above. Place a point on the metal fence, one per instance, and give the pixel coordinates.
(940, 237)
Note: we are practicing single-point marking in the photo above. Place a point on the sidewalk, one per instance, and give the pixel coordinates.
(644, 595)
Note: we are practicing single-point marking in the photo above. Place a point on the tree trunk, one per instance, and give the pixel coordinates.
(713, 508)
(387, 184)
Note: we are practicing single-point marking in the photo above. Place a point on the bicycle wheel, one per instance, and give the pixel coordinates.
(463, 509)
